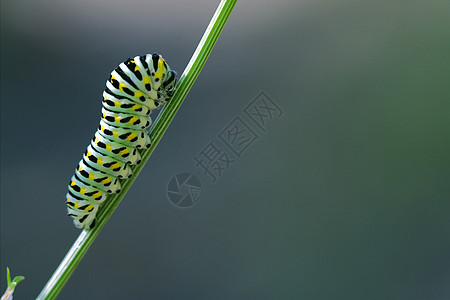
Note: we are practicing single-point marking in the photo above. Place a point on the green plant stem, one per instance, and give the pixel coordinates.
(187, 79)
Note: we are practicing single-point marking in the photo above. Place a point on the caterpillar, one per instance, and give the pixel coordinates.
(135, 88)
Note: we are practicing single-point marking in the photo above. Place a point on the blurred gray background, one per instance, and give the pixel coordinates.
(345, 196)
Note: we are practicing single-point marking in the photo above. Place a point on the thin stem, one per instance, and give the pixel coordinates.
(187, 79)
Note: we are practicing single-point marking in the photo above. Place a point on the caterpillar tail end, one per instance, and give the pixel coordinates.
(83, 216)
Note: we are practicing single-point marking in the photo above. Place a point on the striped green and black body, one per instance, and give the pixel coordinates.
(135, 88)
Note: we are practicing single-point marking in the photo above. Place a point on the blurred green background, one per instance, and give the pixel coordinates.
(346, 196)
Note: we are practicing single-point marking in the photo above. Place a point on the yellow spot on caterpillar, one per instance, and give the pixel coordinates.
(73, 183)
(107, 180)
(136, 107)
(124, 151)
(112, 79)
(103, 115)
(158, 74)
(108, 147)
(68, 199)
(115, 134)
(133, 119)
(99, 161)
(115, 166)
(80, 169)
(131, 136)
(117, 103)
(82, 191)
(96, 141)
(146, 80)
(116, 119)
(139, 94)
(98, 194)
(91, 176)
(76, 205)
(136, 69)
(121, 86)
(89, 207)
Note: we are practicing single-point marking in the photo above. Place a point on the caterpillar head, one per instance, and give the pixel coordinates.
(168, 85)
